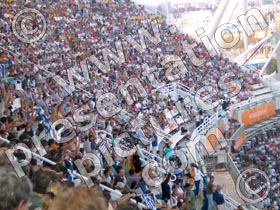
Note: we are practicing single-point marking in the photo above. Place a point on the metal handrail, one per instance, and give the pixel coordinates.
(251, 101)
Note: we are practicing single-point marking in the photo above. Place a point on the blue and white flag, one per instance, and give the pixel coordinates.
(223, 113)
(3, 67)
(149, 201)
(70, 174)
(103, 147)
(46, 120)
(2, 70)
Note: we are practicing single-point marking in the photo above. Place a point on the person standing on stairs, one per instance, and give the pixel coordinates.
(197, 175)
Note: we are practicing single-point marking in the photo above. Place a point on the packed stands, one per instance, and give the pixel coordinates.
(32, 100)
(262, 151)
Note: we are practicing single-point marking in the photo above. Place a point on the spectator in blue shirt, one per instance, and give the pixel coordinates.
(218, 198)
(179, 174)
(142, 185)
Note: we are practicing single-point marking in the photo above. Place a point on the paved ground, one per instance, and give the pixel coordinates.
(199, 203)
(224, 178)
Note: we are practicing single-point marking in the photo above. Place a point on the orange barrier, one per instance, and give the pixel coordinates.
(212, 137)
(212, 142)
(258, 113)
(160, 18)
(221, 127)
(240, 140)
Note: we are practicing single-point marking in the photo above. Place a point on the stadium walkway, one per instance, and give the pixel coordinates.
(224, 178)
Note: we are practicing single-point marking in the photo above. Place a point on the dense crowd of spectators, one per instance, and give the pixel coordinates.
(75, 31)
(263, 153)
(45, 190)
(69, 40)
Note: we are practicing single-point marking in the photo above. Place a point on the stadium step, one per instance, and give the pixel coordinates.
(210, 163)
(257, 86)
(261, 91)
(229, 189)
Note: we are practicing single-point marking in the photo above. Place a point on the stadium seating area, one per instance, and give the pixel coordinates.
(77, 30)
(262, 152)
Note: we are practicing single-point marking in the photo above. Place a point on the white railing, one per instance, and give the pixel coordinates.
(252, 101)
(208, 122)
(235, 173)
(274, 85)
(191, 93)
(185, 88)
(261, 91)
(159, 131)
(257, 86)
(231, 204)
(174, 86)
(166, 89)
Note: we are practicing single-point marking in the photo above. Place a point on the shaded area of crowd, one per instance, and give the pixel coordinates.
(262, 152)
